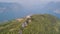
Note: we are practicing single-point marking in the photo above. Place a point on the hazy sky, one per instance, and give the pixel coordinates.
(25, 0)
(30, 3)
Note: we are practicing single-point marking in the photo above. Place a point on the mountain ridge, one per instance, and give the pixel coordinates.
(40, 24)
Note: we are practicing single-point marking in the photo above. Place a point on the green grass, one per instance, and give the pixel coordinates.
(41, 24)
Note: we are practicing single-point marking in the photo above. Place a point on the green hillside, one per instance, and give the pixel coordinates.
(40, 24)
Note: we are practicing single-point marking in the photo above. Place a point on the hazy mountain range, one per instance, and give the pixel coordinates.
(10, 11)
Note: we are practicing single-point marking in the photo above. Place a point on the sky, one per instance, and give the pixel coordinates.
(29, 1)
(25, 0)
(29, 4)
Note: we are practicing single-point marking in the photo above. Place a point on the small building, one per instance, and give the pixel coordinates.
(19, 19)
(28, 18)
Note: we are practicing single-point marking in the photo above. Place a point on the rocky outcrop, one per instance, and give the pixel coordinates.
(24, 24)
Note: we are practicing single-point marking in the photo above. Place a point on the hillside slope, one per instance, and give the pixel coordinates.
(40, 24)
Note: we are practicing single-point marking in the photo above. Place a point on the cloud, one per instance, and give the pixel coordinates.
(57, 11)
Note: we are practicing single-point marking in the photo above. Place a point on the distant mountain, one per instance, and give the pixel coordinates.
(49, 8)
(10, 11)
(52, 7)
(40, 24)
